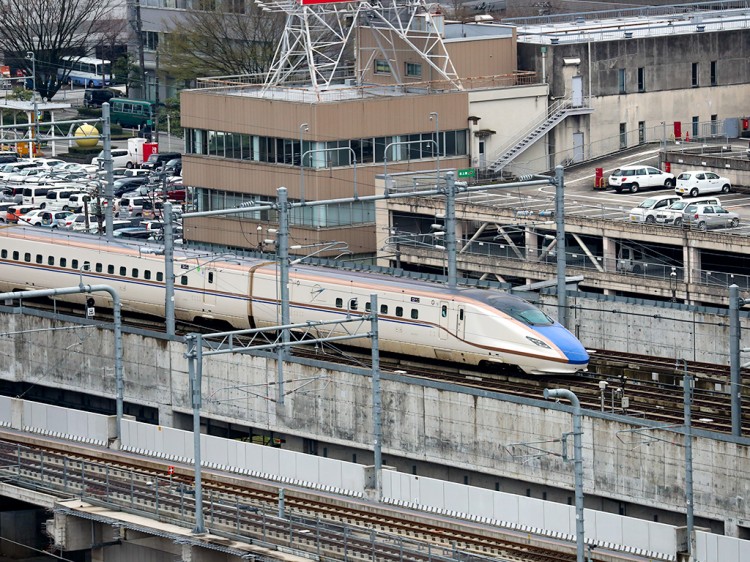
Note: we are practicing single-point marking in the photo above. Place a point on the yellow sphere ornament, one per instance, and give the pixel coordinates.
(87, 130)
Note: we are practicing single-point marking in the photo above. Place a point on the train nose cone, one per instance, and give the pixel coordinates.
(567, 343)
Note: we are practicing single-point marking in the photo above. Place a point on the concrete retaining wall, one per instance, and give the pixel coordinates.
(466, 430)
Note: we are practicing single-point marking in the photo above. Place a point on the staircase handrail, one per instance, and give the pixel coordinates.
(551, 110)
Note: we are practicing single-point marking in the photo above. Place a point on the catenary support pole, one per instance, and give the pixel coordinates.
(283, 257)
(687, 382)
(578, 462)
(377, 409)
(450, 229)
(169, 269)
(109, 187)
(735, 383)
(562, 296)
(195, 372)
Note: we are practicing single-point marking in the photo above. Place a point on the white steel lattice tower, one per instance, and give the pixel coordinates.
(318, 33)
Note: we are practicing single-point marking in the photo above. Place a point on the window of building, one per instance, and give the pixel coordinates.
(413, 69)
(150, 40)
(714, 125)
(621, 80)
(382, 67)
(713, 73)
(696, 125)
(641, 79)
(641, 132)
(623, 135)
(694, 79)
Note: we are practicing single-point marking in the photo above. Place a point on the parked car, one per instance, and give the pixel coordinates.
(121, 158)
(16, 211)
(636, 177)
(703, 217)
(125, 185)
(4, 211)
(158, 159)
(58, 198)
(133, 232)
(698, 182)
(45, 218)
(672, 215)
(7, 170)
(76, 201)
(96, 97)
(646, 211)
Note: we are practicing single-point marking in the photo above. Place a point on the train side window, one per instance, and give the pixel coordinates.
(210, 276)
(461, 314)
(414, 314)
(50, 260)
(74, 264)
(63, 262)
(111, 269)
(4, 254)
(135, 273)
(368, 306)
(383, 309)
(99, 268)
(123, 271)
(15, 256)
(159, 276)
(444, 311)
(399, 311)
(339, 303)
(353, 304)
(27, 257)
(147, 274)
(184, 280)
(39, 258)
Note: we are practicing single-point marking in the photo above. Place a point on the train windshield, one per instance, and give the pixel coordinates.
(521, 310)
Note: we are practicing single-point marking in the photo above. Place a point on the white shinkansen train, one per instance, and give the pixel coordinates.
(471, 326)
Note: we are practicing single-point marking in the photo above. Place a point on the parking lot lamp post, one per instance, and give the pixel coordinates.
(34, 120)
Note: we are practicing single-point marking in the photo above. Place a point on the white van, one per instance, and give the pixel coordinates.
(58, 199)
(121, 158)
(647, 210)
(35, 195)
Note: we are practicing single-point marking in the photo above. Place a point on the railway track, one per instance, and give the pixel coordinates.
(636, 385)
(328, 527)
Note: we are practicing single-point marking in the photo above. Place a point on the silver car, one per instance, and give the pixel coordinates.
(704, 217)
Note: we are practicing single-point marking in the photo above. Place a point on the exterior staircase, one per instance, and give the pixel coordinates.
(556, 113)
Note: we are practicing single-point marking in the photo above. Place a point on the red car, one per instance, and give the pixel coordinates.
(176, 194)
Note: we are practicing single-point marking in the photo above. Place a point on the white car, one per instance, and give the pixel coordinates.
(636, 177)
(647, 210)
(121, 158)
(698, 182)
(673, 214)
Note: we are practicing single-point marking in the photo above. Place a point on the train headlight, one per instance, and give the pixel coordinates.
(538, 342)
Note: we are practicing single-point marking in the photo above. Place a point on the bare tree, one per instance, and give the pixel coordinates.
(50, 29)
(222, 38)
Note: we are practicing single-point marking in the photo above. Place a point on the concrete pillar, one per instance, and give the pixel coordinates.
(609, 249)
(532, 244)
(731, 529)
(16, 413)
(166, 415)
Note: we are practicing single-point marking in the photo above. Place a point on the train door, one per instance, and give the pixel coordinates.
(443, 322)
(210, 282)
(460, 322)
